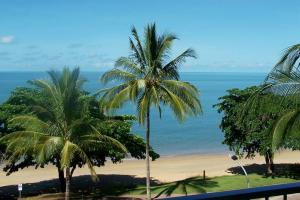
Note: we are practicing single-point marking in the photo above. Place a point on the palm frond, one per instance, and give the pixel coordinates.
(69, 151)
(29, 122)
(129, 65)
(176, 104)
(155, 99)
(143, 107)
(139, 46)
(164, 44)
(281, 128)
(188, 94)
(97, 136)
(46, 147)
(171, 69)
(46, 87)
(119, 99)
(118, 75)
(288, 59)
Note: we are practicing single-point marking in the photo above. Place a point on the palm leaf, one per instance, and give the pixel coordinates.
(69, 151)
(116, 74)
(282, 127)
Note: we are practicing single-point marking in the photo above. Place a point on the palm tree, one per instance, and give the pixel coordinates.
(284, 80)
(148, 79)
(60, 128)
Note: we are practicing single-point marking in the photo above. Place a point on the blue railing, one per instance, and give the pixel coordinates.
(246, 194)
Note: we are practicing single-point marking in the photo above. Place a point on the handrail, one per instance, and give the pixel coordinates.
(245, 194)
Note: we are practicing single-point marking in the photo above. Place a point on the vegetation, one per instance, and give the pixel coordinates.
(148, 79)
(251, 133)
(284, 80)
(62, 125)
(196, 185)
(22, 102)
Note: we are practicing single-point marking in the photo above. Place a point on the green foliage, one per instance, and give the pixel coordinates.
(148, 78)
(53, 131)
(33, 117)
(248, 127)
(284, 81)
(134, 143)
(17, 104)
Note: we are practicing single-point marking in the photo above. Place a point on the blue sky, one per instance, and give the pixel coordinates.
(232, 35)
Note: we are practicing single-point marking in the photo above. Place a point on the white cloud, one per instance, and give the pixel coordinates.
(7, 39)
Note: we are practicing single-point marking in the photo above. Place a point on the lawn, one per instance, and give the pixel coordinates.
(188, 186)
(196, 185)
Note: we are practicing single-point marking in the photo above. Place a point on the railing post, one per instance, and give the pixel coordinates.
(266, 198)
(285, 197)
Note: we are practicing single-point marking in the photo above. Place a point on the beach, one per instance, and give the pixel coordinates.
(164, 169)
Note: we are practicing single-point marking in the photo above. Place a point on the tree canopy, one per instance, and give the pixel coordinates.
(248, 127)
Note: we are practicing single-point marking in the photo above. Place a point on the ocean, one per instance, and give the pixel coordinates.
(168, 137)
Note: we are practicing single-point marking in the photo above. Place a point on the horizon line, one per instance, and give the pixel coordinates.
(28, 71)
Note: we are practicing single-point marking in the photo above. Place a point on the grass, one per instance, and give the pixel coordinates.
(196, 185)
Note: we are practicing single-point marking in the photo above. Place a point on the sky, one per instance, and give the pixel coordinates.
(228, 36)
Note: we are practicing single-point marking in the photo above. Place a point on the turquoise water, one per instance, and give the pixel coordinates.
(168, 137)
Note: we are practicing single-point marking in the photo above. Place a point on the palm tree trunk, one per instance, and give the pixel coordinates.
(269, 162)
(61, 176)
(62, 179)
(67, 193)
(72, 172)
(147, 155)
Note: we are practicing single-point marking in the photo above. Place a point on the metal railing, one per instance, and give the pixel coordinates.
(246, 194)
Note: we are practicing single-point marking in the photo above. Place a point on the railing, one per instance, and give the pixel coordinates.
(246, 194)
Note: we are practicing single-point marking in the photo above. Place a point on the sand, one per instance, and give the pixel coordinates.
(165, 169)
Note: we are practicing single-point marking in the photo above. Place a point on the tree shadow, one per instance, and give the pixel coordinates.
(187, 186)
(193, 185)
(286, 170)
(81, 186)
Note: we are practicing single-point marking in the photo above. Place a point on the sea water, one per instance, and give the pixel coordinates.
(199, 134)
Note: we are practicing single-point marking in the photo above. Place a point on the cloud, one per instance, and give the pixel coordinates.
(7, 39)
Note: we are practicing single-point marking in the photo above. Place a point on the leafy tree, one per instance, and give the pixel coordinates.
(284, 80)
(148, 79)
(62, 125)
(17, 104)
(251, 133)
(23, 101)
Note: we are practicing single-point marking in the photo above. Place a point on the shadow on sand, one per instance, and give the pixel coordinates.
(281, 170)
(108, 185)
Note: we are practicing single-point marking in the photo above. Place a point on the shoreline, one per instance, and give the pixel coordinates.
(162, 156)
(165, 169)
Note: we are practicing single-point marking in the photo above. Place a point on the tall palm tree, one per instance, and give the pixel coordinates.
(60, 128)
(148, 78)
(284, 80)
